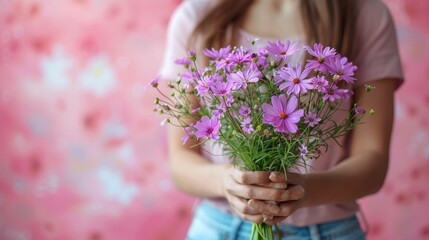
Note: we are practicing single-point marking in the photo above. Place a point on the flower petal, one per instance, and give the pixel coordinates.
(291, 105)
(296, 116)
(278, 103)
(268, 109)
(291, 127)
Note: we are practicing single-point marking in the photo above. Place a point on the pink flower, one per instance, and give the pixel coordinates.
(360, 110)
(245, 110)
(332, 93)
(154, 82)
(247, 126)
(282, 50)
(343, 69)
(303, 150)
(221, 88)
(296, 81)
(282, 114)
(215, 54)
(311, 119)
(220, 111)
(321, 54)
(189, 133)
(206, 82)
(241, 79)
(208, 128)
(240, 56)
(320, 83)
(183, 61)
(281, 75)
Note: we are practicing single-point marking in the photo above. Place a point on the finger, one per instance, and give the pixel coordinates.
(250, 177)
(260, 193)
(278, 177)
(296, 192)
(257, 218)
(241, 205)
(263, 207)
(273, 185)
(275, 220)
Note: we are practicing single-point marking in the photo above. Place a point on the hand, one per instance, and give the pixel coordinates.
(240, 186)
(296, 194)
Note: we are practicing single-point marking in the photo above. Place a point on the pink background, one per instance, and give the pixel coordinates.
(82, 155)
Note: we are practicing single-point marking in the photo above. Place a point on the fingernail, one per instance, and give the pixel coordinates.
(273, 175)
(251, 203)
(280, 185)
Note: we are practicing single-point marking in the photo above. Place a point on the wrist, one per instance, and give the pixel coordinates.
(221, 176)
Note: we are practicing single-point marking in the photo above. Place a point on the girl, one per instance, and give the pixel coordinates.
(320, 204)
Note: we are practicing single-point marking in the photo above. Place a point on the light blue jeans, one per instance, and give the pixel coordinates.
(210, 223)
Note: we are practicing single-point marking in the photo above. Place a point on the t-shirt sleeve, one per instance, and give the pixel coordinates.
(180, 28)
(377, 47)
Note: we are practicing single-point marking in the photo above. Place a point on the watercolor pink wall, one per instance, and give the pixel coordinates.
(82, 155)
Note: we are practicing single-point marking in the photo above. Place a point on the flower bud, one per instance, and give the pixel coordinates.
(368, 88)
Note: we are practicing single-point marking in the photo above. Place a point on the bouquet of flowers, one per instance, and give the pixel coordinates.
(268, 114)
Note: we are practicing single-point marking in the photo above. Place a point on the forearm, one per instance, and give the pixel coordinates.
(195, 175)
(364, 172)
(358, 176)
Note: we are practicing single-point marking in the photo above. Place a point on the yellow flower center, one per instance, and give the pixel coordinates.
(283, 115)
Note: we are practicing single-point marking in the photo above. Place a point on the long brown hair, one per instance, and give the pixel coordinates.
(330, 22)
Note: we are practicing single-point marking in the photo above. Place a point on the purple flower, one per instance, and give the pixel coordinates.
(189, 133)
(246, 125)
(360, 110)
(154, 82)
(282, 50)
(215, 54)
(321, 54)
(345, 94)
(183, 61)
(241, 79)
(220, 111)
(303, 150)
(225, 63)
(228, 101)
(296, 81)
(192, 53)
(341, 68)
(332, 93)
(208, 128)
(311, 119)
(281, 75)
(262, 57)
(245, 110)
(205, 84)
(240, 56)
(221, 88)
(282, 114)
(320, 83)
